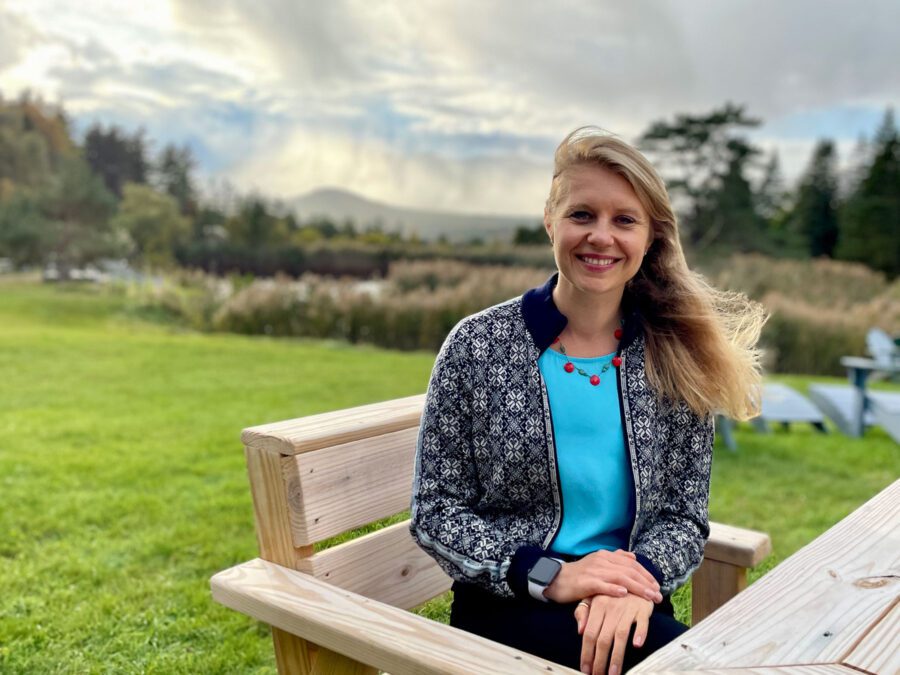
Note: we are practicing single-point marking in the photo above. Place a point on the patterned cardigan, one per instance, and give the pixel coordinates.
(486, 496)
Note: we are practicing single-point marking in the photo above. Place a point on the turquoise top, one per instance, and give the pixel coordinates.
(595, 474)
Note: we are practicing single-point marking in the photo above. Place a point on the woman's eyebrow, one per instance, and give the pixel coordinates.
(628, 210)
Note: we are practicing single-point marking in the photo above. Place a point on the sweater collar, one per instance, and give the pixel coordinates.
(545, 322)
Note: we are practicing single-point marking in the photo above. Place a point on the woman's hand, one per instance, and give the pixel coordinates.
(604, 623)
(614, 573)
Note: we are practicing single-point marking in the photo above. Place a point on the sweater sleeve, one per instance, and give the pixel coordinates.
(671, 547)
(444, 519)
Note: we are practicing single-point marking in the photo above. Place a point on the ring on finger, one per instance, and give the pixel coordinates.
(585, 603)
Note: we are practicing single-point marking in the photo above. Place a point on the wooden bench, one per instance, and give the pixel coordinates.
(342, 609)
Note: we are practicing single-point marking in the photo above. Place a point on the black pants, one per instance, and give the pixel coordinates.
(548, 630)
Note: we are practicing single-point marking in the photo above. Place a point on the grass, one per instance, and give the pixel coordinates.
(122, 484)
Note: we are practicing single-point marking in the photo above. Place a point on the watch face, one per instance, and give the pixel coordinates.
(544, 571)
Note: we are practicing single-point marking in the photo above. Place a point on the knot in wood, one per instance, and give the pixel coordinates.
(873, 582)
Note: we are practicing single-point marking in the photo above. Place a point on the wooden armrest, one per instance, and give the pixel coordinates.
(304, 434)
(365, 630)
(736, 546)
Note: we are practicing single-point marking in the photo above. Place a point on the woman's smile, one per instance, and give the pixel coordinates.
(597, 263)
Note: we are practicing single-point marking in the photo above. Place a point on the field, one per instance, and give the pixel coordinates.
(123, 486)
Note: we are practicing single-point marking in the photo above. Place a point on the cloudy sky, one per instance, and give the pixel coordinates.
(448, 104)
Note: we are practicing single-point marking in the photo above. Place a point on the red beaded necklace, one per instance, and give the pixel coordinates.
(594, 379)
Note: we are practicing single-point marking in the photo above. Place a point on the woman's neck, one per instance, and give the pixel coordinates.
(592, 319)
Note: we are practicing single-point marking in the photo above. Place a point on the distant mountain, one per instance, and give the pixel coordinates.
(339, 205)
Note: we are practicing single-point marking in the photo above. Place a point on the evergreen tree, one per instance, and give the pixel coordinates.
(116, 157)
(175, 176)
(871, 218)
(704, 159)
(815, 216)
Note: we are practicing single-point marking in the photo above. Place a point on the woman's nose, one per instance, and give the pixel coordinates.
(600, 233)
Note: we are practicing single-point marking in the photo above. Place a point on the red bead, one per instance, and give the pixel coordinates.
(618, 333)
(555, 340)
(569, 367)
(595, 380)
(617, 361)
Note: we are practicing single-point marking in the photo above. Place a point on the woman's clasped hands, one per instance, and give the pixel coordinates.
(616, 592)
(612, 573)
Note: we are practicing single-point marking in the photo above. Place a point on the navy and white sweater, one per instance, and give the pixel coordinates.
(486, 495)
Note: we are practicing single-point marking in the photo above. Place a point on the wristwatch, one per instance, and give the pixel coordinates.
(542, 575)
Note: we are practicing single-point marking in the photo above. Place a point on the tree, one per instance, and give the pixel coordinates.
(66, 221)
(116, 157)
(153, 222)
(529, 236)
(78, 208)
(871, 217)
(254, 226)
(704, 159)
(815, 217)
(175, 176)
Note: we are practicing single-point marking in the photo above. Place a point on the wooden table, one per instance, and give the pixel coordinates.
(832, 607)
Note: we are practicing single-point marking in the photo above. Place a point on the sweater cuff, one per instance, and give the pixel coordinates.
(650, 567)
(523, 560)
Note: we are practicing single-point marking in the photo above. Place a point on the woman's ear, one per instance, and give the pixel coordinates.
(548, 225)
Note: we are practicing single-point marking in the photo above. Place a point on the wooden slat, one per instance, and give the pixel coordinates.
(713, 585)
(736, 545)
(273, 533)
(343, 487)
(879, 650)
(313, 432)
(386, 565)
(813, 608)
(812, 669)
(331, 663)
(382, 636)
(270, 508)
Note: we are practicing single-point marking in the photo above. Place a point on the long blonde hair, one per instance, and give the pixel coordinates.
(700, 341)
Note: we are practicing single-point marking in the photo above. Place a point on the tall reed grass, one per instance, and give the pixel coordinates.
(820, 309)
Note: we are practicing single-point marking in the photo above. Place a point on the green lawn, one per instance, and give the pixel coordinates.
(122, 485)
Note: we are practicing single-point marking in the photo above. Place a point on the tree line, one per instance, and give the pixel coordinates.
(731, 197)
(70, 202)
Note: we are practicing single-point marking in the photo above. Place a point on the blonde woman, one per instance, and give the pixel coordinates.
(562, 471)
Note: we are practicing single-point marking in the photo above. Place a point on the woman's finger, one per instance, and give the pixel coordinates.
(620, 641)
(642, 624)
(632, 583)
(591, 631)
(581, 614)
(604, 643)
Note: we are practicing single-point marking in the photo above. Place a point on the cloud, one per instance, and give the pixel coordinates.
(16, 35)
(289, 166)
(453, 103)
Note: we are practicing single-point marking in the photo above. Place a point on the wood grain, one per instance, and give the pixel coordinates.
(343, 487)
(313, 432)
(371, 632)
(879, 650)
(814, 669)
(736, 545)
(814, 607)
(714, 584)
(273, 533)
(331, 663)
(386, 565)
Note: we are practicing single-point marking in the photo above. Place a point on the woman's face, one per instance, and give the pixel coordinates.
(600, 231)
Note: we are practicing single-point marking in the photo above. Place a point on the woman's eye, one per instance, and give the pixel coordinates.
(580, 216)
(626, 220)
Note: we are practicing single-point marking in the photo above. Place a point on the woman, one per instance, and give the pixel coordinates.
(562, 471)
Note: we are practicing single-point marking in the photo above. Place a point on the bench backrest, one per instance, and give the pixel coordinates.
(316, 478)
(339, 472)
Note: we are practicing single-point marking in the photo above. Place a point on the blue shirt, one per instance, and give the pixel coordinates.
(595, 473)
